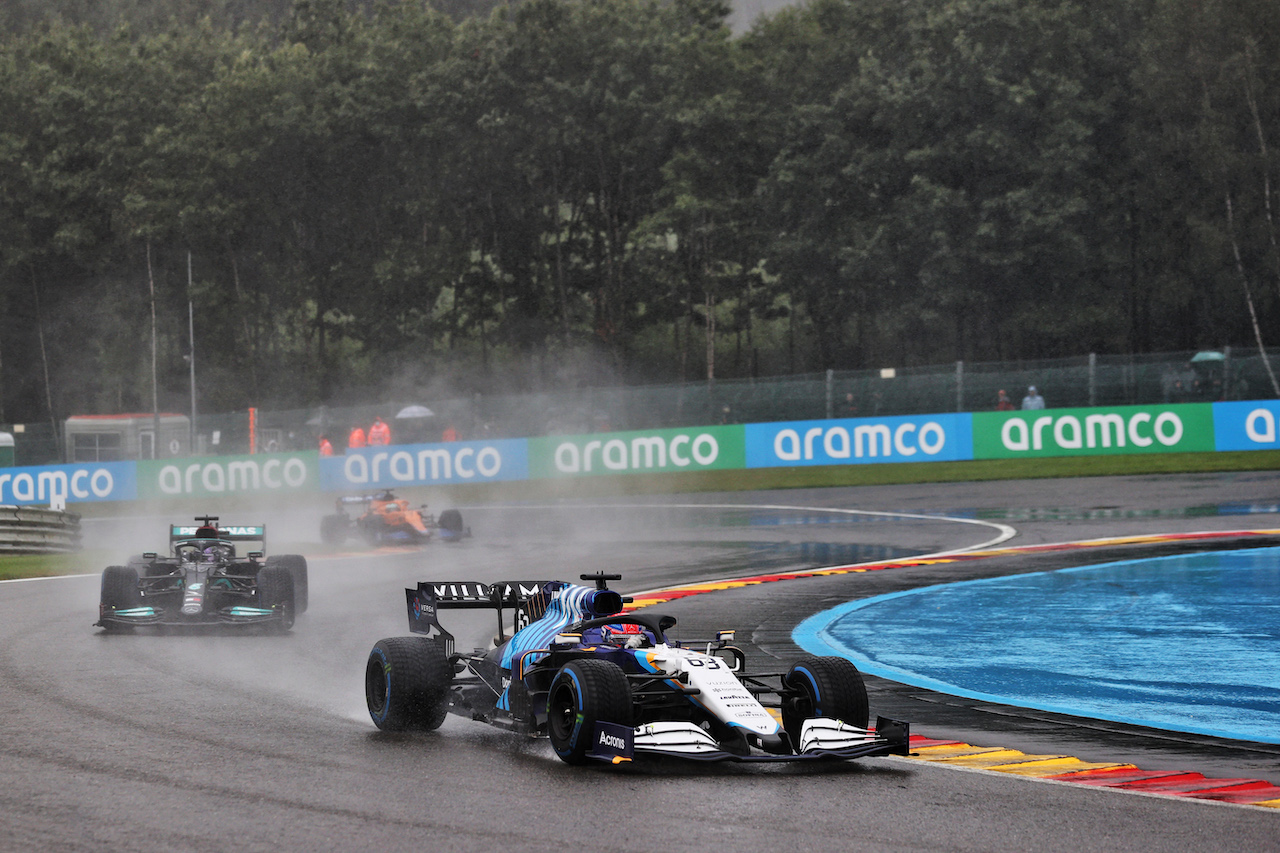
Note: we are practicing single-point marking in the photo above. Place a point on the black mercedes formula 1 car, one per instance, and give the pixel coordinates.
(610, 686)
(203, 582)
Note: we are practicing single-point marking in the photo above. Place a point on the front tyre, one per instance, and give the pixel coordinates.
(583, 693)
(333, 529)
(275, 592)
(406, 684)
(371, 533)
(450, 522)
(823, 687)
(296, 566)
(120, 588)
(119, 592)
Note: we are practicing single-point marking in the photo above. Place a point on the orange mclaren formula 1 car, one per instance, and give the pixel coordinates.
(388, 520)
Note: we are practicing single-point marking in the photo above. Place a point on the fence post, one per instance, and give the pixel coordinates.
(1093, 379)
(1227, 384)
(959, 386)
(830, 393)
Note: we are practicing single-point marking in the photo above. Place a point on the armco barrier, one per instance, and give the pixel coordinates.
(1105, 430)
(76, 483)
(659, 450)
(860, 441)
(221, 475)
(1247, 425)
(426, 465)
(1175, 428)
(36, 530)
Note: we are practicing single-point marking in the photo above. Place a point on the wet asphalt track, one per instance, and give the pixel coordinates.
(221, 742)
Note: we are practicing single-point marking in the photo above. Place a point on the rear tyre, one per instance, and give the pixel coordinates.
(296, 566)
(824, 687)
(406, 684)
(333, 529)
(275, 592)
(583, 693)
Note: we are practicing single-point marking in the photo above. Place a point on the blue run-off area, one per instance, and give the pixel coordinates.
(1188, 643)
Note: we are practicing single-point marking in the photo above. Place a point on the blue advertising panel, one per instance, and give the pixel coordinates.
(84, 482)
(860, 441)
(1247, 425)
(426, 464)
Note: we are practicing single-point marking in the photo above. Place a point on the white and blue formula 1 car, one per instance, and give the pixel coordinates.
(610, 686)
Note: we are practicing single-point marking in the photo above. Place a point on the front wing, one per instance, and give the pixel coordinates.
(146, 615)
(821, 738)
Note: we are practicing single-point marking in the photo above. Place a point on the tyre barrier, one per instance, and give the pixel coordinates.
(37, 530)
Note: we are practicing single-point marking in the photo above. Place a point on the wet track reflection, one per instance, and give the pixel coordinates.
(148, 742)
(1188, 643)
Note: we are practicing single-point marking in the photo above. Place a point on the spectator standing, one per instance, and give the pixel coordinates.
(356, 439)
(379, 433)
(326, 449)
(1003, 403)
(449, 434)
(1033, 400)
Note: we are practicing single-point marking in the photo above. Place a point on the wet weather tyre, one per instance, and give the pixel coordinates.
(451, 521)
(333, 529)
(275, 592)
(823, 687)
(371, 534)
(296, 565)
(119, 592)
(120, 588)
(583, 693)
(406, 684)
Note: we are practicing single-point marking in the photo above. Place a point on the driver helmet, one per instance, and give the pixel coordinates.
(213, 553)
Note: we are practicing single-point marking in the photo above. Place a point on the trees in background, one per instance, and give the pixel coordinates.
(403, 198)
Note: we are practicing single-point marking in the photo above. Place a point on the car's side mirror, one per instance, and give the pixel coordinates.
(731, 655)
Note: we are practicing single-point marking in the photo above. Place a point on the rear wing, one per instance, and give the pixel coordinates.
(231, 533)
(382, 495)
(527, 598)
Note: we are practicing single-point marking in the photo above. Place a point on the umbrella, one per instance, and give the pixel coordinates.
(1208, 355)
(415, 412)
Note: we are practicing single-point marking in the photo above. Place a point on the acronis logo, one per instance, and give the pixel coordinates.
(611, 741)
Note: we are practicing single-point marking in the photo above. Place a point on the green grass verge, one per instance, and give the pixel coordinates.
(14, 566)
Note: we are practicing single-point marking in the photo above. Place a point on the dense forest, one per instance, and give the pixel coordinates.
(372, 200)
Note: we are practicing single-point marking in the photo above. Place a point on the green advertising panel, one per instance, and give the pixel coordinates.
(220, 475)
(690, 449)
(1092, 432)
